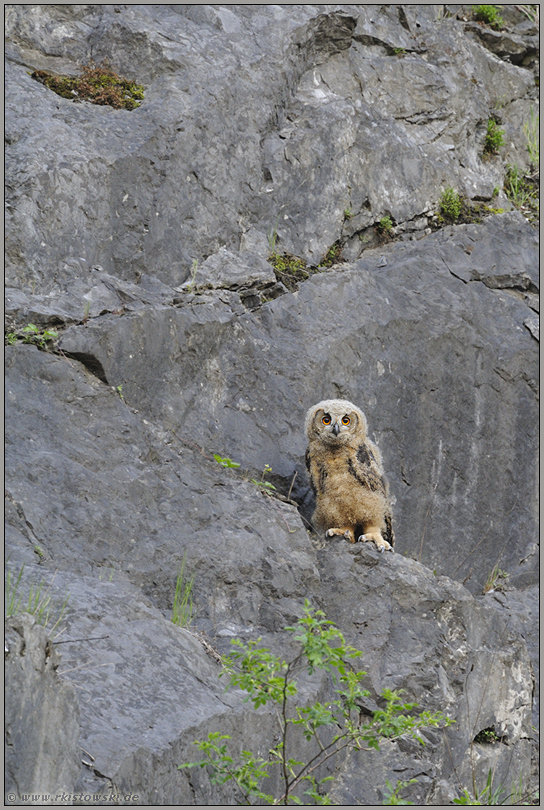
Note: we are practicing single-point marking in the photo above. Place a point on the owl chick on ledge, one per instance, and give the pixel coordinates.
(346, 475)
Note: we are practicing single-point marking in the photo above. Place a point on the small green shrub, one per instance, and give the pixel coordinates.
(450, 203)
(494, 138)
(385, 224)
(489, 15)
(335, 725)
(98, 84)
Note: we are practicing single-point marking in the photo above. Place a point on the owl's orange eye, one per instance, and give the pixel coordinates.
(326, 419)
(345, 420)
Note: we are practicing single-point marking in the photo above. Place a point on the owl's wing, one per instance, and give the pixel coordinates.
(367, 468)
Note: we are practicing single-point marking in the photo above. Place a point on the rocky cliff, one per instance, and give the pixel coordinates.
(264, 231)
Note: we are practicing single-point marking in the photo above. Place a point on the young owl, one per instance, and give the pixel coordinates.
(346, 474)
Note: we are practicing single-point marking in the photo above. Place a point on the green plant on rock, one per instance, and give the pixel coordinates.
(522, 191)
(487, 796)
(496, 580)
(391, 796)
(32, 334)
(494, 138)
(225, 462)
(332, 256)
(450, 203)
(385, 224)
(334, 726)
(491, 796)
(489, 15)
(289, 269)
(262, 483)
(98, 84)
(487, 736)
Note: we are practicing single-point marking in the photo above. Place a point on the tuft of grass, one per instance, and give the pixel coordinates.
(182, 610)
(494, 138)
(490, 15)
(532, 132)
(495, 580)
(194, 268)
(37, 601)
(450, 203)
(522, 192)
(273, 236)
(98, 84)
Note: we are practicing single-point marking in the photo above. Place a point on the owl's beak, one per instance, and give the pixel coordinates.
(336, 429)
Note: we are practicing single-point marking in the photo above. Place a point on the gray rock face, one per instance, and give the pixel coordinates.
(41, 718)
(250, 377)
(142, 238)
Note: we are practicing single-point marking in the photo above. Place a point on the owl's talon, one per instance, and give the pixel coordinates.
(347, 534)
(381, 544)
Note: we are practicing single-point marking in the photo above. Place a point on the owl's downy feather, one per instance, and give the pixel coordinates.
(346, 474)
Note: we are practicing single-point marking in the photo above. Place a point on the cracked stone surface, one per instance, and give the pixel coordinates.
(142, 239)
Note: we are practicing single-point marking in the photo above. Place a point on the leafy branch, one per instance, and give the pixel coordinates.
(335, 726)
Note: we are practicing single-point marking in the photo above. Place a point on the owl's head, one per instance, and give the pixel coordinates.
(336, 422)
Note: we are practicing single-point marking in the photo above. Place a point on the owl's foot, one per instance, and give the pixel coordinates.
(376, 537)
(347, 534)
